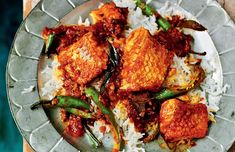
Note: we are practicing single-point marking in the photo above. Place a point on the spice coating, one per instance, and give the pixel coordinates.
(84, 60)
(145, 62)
(179, 120)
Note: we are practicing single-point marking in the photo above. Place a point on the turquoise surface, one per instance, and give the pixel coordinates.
(11, 16)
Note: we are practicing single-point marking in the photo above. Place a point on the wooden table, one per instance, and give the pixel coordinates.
(229, 6)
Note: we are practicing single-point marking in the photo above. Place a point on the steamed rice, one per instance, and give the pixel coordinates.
(131, 136)
(52, 83)
(179, 64)
(96, 129)
(136, 18)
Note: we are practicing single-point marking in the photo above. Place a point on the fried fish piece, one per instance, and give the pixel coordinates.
(84, 60)
(145, 62)
(65, 35)
(108, 11)
(111, 17)
(180, 120)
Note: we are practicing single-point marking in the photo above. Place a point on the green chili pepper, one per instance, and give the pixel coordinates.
(64, 102)
(49, 42)
(147, 10)
(164, 24)
(79, 113)
(164, 94)
(91, 92)
(71, 102)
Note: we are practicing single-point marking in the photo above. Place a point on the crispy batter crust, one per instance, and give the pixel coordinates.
(84, 60)
(179, 120)
(108, 11)
(112, 18)
(145, 62)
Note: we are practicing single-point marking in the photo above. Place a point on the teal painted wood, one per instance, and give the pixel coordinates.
(11, 14)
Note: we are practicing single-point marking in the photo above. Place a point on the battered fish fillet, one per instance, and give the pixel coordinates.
(112, 18)
(108, 11)
(84, 60)
(145, 62)
(179, 120)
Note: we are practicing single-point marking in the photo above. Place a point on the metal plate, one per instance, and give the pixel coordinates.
(38, 126)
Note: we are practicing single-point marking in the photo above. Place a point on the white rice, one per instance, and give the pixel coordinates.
(52, 83)
(179, 64)
(96, 129)
(130, 4)
(131, 136)
(136, 19)
(210, 87)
